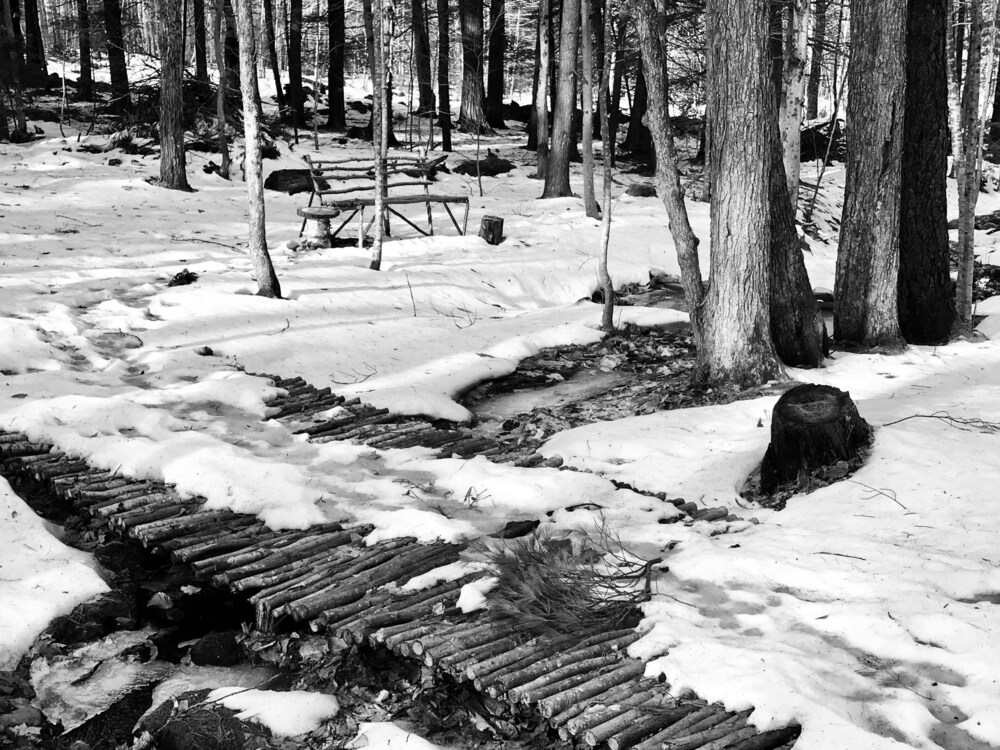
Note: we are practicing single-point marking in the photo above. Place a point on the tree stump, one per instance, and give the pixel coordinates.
(812, 426)
(491, 229)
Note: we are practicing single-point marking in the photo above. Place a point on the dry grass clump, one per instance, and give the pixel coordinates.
(547, 586)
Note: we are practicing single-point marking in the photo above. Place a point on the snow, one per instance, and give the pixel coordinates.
(386, 735)
(286, 714)
(865, 611)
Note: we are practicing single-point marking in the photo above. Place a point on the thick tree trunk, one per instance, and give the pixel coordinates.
(85, 84)
(336, 28)
(232, 48)
(589, 199)
(668, 180)
(422, 57)
(812, 426)
(557, 174)
(637, 139)
(170, 25)
(10, 72)
(272, 53)
(34, 49)
(471, 116)
(736, 324)
(117, 64)
(222, 138)
(816, 59)
(444, 93)
(494, 75)
(954, 93)
(865, 310)
(541, 101)
(925, 308)
(532, 127)
(296, 99)
(267, 280)
(200, 49)
(793, 81)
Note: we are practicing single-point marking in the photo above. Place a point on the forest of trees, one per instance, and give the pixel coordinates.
(913, 81)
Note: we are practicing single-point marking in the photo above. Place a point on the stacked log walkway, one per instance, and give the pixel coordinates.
(325, 579)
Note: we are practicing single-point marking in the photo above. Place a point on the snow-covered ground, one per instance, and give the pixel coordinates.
(866, 611)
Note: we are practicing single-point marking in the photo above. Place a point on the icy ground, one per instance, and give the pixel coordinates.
(866, 611)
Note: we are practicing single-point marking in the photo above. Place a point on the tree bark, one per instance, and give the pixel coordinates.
(494, 75)
(812, 426)
(336, 29)
(471, 116)
(668, 180)
(607, 311)
(380, 130)
(865, 307)
(589, 199)
(541, 101)
(220, 91)
(295, 95)
(85, 83)
(954, 92)
(816, 59)
(637, 140)
(232, 48)
(736, 325)
(422, 57)
(925, 309)
(120, 102)
(793, 81)
(34, 48)
(272, 54)
(10, 73)
(444, 93)
(171, 33)
(557, 174)
(267, 280)
(368, 13)
(200, 48)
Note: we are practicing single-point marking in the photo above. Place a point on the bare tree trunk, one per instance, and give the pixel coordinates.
(117, 64)
(444, 93)
(220, 91)
(171, 29)
(925, 308)
(954, 92)
(816, 59)
(866, 310)
(736, 323)
(336, 28)
(34, 49)
(85, 84)
(267, 280)
(589, 199)
(668, 180)
(494, 75)
(607, 311)
(295, 96)
(470, 114)
(380, 130)
(12, 72)
(557, 175)
(200, 52)
(793, 80)
(422, 55)
(232, 48)
(637, 140)
(541, 103)
(272, 53)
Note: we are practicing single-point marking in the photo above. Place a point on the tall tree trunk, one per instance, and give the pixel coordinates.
(386, 74)
(954, 92)
(793, 81)
(171, 32)
(589, 199)
(494, 76)
(85, 84)
(637, 140)
(816, 59)
(267, 280)
(557, 174)
(736, 324)
(615, 115)
(200, 46)
(470, 114)
(232, 48)
(117, 64)
(272, 53)
(336, 28)
(444, 93)
(607, 311)
(296, 99)
(541, 101)
(10, 72)
(222, 138)
(34, 48)
(865, 310)
(422, 56)
(381, 114)
(668, 179)
(925, 309)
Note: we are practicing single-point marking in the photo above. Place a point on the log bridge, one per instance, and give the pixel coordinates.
(325, 580)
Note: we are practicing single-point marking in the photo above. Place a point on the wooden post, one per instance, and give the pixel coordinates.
(491, 229)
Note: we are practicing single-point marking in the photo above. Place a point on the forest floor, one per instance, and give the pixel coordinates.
(865, 611)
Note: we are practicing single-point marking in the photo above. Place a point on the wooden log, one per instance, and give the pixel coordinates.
(698, 740)
(653, 721)
(611, 696)
(48, 472)
(409, 441)
(468, 627)
(154, 531)
(534, 648)
(491, 230)
(118, 506)
(600, 733)
(274, 554)
(23, 448)
(339, 616)
(549, 649)
(812, 426)
(557, 702)
(551, 682)
(703, 718)
(315, 564)
(456, 662)
(213, 547)
(12, 437)
(769, 740)
(405, 633)
(213, 533)
(128, 519)
(601, 714)
(412, 428)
